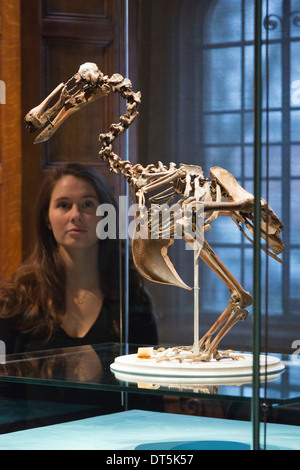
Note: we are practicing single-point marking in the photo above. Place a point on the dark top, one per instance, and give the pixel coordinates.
(142, 330)
(25, 405)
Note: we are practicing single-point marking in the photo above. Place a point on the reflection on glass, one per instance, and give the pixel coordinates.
(295, 123)
(222, 128)
(295, 274)
(274, 79)
(60, 365)
(228, 157)
(210, 70)
(273, 22)
(217, 27)
(275, 161)
(86, 367)
(295, 18)
(224, 230)
(295, 213)
(295, 75)
(215, 290)
(275, 189)
(248, 77)
(295, 160)
(222, 91)
(274, 127)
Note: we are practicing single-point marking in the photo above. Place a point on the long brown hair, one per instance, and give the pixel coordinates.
(34, 298)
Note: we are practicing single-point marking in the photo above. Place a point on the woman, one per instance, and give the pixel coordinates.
(68, 292)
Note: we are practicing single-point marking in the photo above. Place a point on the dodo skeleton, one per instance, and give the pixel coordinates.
(221, 195)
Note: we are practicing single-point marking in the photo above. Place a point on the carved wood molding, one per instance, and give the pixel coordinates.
(87, 30)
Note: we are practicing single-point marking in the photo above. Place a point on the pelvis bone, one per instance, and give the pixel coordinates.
(161, 185)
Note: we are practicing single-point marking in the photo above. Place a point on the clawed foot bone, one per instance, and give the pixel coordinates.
(185, 354)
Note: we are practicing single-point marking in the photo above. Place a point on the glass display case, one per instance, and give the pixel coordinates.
(71, 384)
(220, 88)
(89, 367)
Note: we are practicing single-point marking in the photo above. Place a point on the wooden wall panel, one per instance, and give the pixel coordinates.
(10, 138)
(43, 42)
(57, 37)
(77, 139)
(71, 35)
(92, 8)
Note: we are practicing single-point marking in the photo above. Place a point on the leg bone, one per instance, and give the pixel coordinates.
(234, 312)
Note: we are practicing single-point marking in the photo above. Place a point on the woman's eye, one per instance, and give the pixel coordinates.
(89, 204)
(62, 205)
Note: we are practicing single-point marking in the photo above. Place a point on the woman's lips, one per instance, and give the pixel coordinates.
(76, 231)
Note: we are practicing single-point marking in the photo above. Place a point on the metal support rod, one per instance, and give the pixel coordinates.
(126, 137)
(196, 301)
(255, 405)
(124, 283)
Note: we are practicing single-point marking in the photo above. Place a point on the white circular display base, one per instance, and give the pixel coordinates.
(130, 368)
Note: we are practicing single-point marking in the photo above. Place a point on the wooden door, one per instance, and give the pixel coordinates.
(57, 37)
(42, 43)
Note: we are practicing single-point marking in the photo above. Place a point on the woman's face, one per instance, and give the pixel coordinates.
(72, 213)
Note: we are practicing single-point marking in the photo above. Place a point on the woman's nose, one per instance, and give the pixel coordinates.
(75, 212)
